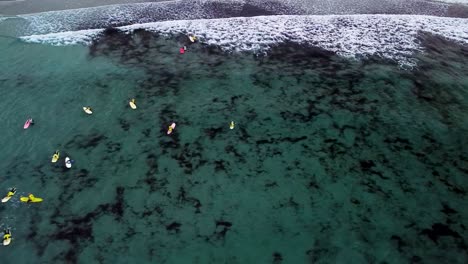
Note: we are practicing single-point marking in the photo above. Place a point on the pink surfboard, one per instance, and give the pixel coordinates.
(171, 128)
(28, 123)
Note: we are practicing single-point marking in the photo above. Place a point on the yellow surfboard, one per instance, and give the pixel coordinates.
(55, 157)
(32, 200)
(132, 104)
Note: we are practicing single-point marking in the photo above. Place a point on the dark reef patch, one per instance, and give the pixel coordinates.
(222, 227)
(278, 140)
(439, 230)
(86, 141)
(213, 132)
(277, 258)
(124, 124)
(173, 227)
(400, 243)
(78, 230)
(190, 157)
(184, 199)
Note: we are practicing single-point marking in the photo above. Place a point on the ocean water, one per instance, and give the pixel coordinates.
(333, 159)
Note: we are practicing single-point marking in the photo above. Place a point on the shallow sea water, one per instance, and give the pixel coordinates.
(331, 160)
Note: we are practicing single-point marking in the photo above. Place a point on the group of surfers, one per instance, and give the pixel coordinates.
(68, 162)
(29, 199)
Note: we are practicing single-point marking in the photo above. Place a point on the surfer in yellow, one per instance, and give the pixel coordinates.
(192, 38)
(56, 156)
(10, 194)
(30, 199)
(171, 128)
(6, 237)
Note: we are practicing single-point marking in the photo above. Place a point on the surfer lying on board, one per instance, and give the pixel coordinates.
(11, 192)
(69, 162)
(192, 38)
(6, 237)
(30, 199)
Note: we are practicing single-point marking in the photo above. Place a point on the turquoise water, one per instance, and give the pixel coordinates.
(331, 160)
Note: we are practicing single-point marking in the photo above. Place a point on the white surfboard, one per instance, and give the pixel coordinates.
(171, 128)
(87, 110)
(132, 104)
(7, 242)
(6, 199)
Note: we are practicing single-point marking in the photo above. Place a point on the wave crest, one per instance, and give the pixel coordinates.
(386, 36)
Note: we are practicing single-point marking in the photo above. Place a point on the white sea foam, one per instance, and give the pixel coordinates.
(127, 14)
(465, 2)
(2, 18)
(385, 36)
(84, 37)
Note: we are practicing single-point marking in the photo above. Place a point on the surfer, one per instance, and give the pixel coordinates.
(132, 103)
(171, 128)
(232, 125)
(192, 38)
(87, 110)
(6, 237)
(182, 50)
(30, 199)
(56, 156)
(28, 123)
(68, 162)
(11, 192)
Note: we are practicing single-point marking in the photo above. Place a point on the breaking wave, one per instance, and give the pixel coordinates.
(137, 13)
(392, 37)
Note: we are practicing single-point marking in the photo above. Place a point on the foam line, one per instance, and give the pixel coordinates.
(128, 14)
(386, 36)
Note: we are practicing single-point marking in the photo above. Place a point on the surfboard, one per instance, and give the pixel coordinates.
(132, 104)
(6, 199)
(68, 163)
(34, 200)
(7, 241)
(28, 122)
(171, 128)
(87, 110)
(192, 38)
(55, 157)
